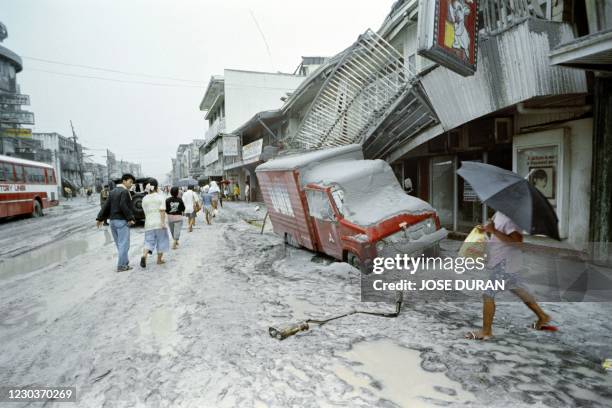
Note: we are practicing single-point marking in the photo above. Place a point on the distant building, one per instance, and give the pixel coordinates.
(66, 157)
(16, 140)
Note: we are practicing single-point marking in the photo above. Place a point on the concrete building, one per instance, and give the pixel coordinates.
(229, 102)
(66, 157)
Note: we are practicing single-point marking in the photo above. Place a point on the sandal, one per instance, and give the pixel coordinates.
(473, 336)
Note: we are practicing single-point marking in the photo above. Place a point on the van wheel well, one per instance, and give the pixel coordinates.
(291, 241)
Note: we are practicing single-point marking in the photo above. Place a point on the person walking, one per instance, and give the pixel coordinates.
(68, 192)
(103, 197)
(175, 207)
(236, 192)
(207, 206)
(156, 234)
(247, 193)
(118, 208)
(190, 200)
(89, 193)
(214, 191)
(504, 263)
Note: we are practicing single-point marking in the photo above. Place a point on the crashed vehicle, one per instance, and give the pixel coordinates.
(335, 202)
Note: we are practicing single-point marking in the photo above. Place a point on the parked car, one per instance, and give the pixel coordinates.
(335, 202)
(137, 193)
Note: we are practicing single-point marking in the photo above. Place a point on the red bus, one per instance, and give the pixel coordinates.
(26, 187)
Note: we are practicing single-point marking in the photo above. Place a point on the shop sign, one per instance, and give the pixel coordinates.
(211, 156)
(20, 117)
(448, 34)
(14, 132)
(14, 99)
(230, 146)
(252, 150)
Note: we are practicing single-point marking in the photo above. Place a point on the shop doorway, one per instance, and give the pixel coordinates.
(442, 188)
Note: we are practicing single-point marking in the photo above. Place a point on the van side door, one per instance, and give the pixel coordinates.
(324, 219)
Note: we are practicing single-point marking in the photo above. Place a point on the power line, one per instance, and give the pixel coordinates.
(109, 70)
(115, 80)
(263, 37)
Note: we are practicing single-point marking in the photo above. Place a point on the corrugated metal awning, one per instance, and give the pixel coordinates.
(365, 82)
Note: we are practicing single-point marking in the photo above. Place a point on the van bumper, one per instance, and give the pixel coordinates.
(415, 247)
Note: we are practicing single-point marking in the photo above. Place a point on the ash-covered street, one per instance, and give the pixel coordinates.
(194, 332)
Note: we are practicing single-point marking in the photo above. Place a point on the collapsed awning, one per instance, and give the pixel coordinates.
(366, 81)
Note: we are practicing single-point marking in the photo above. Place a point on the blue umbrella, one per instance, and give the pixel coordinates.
(511, 194)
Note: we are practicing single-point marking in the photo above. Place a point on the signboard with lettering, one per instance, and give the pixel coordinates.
(20, 117)
(448, 34)
(14, 99)
(212, 156)
(13, 132)
(252, 150)
(230, 145)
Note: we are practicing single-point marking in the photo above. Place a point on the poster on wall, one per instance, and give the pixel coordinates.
(448, 34)
(540, 166)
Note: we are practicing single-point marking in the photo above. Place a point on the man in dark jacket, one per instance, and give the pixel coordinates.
(118, 207)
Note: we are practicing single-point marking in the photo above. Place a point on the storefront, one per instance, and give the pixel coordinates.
(556, 160)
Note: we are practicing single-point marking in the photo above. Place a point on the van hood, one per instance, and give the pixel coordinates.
(371, 191)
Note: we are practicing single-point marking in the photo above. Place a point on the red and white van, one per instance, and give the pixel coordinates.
(333, 201)
(26, 187)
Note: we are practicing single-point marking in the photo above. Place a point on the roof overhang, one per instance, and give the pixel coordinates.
(12, 57)
(213, 90)
(265, 117)
(592, 52)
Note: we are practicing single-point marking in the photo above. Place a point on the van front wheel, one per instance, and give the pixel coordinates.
(356, 263)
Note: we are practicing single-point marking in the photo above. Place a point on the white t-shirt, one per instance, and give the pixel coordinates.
(152, 204)
(499, 250)
(189, 199)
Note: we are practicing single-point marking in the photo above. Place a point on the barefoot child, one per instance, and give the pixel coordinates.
(504, 262)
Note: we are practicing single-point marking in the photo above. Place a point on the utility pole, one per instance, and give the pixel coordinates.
(79, 157)
(108, 167)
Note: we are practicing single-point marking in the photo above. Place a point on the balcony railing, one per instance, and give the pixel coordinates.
(217, 127)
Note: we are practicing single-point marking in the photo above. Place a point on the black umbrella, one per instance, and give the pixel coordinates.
(511, 194)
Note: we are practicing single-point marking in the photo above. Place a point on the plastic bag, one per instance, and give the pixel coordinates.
(474, 245)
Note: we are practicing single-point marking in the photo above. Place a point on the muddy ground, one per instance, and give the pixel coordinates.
(194, 332)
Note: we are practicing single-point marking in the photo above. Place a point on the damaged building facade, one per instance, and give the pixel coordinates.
(517, 110)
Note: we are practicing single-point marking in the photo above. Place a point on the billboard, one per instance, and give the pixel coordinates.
(20, 117)
(230, 145)
(14, 99)
(448, 34)
(14, 132)
(252, 150)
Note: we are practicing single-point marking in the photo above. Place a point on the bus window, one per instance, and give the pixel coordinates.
(50, 176)
(21, 174)
(6, 172)
(35, 175)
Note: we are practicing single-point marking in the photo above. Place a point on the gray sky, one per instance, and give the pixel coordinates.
(185, 39)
